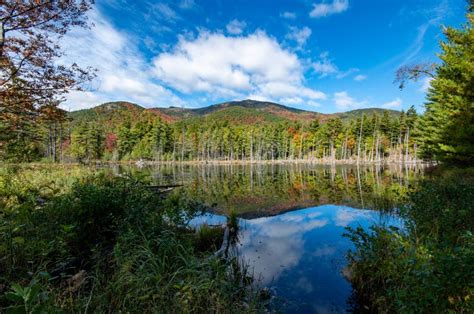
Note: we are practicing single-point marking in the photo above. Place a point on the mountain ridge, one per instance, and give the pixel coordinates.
(234, 111)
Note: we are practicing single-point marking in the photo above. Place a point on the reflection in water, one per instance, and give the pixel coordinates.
(263, 190)
(298, 253)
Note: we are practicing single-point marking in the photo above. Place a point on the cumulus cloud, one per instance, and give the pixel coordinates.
(229, 66)
(122, 73)
(236, 27)
(360, 77)
(343, 101)
(299, 35)
(394, 104)
(273, 244)
(288, 15)
(326, 9)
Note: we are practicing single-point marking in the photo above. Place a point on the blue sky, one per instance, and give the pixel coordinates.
(326, 56)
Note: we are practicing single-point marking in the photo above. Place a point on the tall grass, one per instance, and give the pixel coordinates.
(77, 240)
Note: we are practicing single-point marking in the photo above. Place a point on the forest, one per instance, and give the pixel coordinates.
(134, 135)
(78, 236)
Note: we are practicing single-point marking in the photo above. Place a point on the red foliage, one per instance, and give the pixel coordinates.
(110, 142)
(65, 144)
(166, 118)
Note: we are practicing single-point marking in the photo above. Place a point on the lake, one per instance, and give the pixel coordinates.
(292, 220)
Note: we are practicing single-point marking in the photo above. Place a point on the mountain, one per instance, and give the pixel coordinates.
(112, 113)
(348, 115)
(236, 112)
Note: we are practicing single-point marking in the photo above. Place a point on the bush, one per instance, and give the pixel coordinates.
(93, 241)
(428, 266)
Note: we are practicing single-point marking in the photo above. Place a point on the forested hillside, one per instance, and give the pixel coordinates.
(246, 130)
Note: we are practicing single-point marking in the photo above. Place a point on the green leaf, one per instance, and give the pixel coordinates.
(13, 297)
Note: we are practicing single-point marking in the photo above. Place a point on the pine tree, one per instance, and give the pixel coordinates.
(448, 123)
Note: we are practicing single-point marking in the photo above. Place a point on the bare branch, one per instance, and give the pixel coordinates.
(414, 72)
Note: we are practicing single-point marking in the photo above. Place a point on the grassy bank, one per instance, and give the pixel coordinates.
(428, 266)
(75, 240)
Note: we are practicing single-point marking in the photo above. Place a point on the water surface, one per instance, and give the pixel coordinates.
(292, 220)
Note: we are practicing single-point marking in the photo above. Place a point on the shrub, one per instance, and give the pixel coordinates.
(427, 266)
(94, 241)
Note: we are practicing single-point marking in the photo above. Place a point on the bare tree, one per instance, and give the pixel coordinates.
(414, 72)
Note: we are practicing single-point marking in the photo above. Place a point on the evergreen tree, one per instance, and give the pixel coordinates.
(87, 142)
(125, 141)
(448, 123)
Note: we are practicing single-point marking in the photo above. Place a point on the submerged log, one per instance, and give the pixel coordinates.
(163, 188)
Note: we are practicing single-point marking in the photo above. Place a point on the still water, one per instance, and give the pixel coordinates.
(292, 220)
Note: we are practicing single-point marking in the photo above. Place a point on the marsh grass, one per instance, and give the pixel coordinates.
(81, 240)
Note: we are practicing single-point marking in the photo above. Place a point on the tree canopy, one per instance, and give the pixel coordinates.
(447, 127)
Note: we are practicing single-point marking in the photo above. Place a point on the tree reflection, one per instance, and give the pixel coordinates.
(263, 190)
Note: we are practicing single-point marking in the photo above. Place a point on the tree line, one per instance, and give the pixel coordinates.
(372, 138)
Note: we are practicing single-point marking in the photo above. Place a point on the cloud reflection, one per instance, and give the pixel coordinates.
(274, 244)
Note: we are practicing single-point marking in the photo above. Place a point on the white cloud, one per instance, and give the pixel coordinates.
(324, 251)
(360, 77)
(299, 35)
(417, 44)
(236, 27)
(288, 15)
(122, 72)
(313, 103)
(164, 11)
(77, 100)
(345, 102)
(343, 74)
(326, 9)
(434, 15)
(273, 244)
(222, 65)
(281, 89)
(394, 104)
(345, 216)
(426, 84)
(187, 4)
(325, 66)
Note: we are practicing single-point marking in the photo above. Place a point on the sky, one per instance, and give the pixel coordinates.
(325, 56)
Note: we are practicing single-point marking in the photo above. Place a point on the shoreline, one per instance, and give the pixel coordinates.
(269, 162)
(321, 162)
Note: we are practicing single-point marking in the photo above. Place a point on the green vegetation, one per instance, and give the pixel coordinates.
(265, 190)
(249, 130)
(73, 240)
(427, 266)
(246, 130)
(448, 124)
